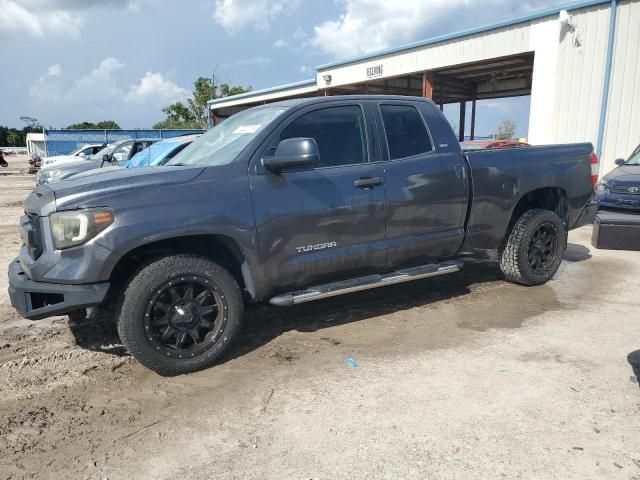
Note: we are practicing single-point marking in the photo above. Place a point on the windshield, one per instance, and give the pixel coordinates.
(634, 159)
(148, 156)
(105, 151)
(223, 143)
(77, 151)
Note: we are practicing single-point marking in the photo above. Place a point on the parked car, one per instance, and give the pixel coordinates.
(115, 154)
(160, 152)
(291, 202)
(619, 190)
(482, 144)
(78, 154)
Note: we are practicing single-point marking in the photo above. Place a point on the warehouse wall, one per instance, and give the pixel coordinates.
(497, 43)
(61, 142)
(622, 127)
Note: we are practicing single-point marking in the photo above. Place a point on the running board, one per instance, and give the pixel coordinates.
(365, 283)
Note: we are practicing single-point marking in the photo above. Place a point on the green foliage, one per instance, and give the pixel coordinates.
(103, 125)
(12, 137)
(506, 130)
(193, 114)
(32, 124)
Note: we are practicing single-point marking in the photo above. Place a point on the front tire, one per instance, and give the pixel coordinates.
(533, 250)
(180, 313)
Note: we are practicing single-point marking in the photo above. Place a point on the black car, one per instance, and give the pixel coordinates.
(619, 190)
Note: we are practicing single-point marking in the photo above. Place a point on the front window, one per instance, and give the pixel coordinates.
(222, 144)
(338, 131)
(634, 159)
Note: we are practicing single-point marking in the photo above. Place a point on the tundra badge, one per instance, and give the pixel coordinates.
(317, 246)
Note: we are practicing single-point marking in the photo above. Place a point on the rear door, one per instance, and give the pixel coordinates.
(425, 184)
(326, 222)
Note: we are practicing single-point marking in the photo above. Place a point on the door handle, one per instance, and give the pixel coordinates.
(367, 182)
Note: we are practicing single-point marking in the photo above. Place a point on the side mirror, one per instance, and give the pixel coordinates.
(105, 159)
(293, 152)
(619, 161)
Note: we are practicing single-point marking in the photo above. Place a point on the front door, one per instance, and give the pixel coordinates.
(325, 222)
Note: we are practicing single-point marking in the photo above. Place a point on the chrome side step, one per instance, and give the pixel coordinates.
(365, 283)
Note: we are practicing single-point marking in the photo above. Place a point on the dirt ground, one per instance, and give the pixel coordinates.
(462, 376)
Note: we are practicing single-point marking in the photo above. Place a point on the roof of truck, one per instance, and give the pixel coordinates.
(335, 98)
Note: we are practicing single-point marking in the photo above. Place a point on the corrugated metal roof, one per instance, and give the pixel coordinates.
(451, 36)
(253, 93)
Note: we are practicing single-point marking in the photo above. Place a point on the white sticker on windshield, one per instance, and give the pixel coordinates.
(247, 129)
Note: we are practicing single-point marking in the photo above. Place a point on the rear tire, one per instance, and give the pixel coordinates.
(180, 314)
(532, 252)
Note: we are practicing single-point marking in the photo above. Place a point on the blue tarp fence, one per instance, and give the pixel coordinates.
(61, 142)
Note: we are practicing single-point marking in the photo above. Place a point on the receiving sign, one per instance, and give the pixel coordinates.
(375, 71)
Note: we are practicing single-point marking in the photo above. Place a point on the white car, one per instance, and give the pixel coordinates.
(84, 151)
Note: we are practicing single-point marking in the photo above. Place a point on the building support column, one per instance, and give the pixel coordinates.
(441, 94)
(473, 115)
(215, 120)
(463, 111)
(427, 85)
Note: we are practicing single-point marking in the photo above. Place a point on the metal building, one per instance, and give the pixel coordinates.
(579, 63)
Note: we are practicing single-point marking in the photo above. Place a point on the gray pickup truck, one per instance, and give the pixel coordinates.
(290, 202)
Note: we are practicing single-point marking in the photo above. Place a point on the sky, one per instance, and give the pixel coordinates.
(69, 61)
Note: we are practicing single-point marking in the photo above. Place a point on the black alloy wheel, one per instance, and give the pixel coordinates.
(185, 316)
(543, 249)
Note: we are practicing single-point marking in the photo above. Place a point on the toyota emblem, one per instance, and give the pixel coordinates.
(633, 189)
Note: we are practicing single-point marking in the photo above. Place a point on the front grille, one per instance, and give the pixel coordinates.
(31, 233)
(626, 189)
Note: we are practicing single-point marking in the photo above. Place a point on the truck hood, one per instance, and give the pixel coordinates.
(99, 188)
(63, 161)
(625, 175)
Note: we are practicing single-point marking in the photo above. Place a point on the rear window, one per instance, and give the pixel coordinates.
(405, 131)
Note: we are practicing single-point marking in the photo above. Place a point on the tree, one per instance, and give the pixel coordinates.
(32, 123)
(103, 125)
(194, 113)
(12, 137)
(506, 130)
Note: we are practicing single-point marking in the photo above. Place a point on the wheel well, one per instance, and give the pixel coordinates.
(219, 248)
(550, 198)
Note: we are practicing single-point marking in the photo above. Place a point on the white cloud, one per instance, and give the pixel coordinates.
(54, 70)
(153, 86)
(40, 18)
(501, 106)
(100, 87)
(236, 15)
(280, 43)
(17, 19)
(369, 25)
(252, 62)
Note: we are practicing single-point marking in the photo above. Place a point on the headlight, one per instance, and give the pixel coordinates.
(69, 229)
(48, 175)
(602, 187)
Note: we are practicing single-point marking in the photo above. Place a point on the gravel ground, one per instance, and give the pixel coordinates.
(463, 376)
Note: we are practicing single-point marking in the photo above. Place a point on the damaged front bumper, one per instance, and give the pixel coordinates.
(38, 300)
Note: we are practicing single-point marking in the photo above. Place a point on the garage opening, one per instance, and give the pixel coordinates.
(465, 87)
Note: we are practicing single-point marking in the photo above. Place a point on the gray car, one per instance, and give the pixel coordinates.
(115, 154)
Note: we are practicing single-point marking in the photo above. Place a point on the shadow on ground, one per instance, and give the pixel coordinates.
(634, 360)
(264, 322)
